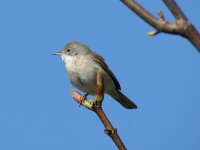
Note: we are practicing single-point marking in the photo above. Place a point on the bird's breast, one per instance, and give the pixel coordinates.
(82, 73)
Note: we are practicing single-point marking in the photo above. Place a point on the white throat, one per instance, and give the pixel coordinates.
(70, 61)
(66, 58)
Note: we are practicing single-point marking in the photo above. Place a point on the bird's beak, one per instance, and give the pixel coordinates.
(57, 54)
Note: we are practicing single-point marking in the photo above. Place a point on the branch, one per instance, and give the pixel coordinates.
(96, 105)
(182, 26)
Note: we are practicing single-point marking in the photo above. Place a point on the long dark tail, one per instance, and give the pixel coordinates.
(122, 99)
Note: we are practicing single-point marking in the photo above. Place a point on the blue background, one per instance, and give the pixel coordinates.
(161, 74)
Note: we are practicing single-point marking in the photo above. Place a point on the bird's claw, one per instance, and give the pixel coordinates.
(95, 103)
(83, 98)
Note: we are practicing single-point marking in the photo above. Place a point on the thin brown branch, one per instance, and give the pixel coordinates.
(175, 9)
(96, 105)
(181, 26)
(141, 12)
(157, 23)
(189, 32)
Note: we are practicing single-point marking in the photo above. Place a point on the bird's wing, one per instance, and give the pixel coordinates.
(100, 60)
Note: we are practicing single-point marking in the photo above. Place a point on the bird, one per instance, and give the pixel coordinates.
(82, 65)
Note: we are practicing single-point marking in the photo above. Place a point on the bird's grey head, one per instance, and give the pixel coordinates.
(72, 50)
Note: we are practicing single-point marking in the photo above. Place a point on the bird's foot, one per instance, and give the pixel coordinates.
(95, 103)
(83, 98)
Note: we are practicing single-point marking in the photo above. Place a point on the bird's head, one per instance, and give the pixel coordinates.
(72, 49)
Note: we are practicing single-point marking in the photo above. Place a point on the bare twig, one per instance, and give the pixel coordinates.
(96, 105)
(189, 31)
(182, 26)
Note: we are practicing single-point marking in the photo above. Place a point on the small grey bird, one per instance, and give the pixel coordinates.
(82, 66)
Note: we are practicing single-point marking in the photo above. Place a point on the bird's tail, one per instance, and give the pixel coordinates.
(122, 99)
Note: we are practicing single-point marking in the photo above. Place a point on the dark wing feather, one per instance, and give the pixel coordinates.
(100, 60)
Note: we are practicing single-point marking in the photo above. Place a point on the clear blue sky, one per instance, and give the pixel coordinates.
(161, 74)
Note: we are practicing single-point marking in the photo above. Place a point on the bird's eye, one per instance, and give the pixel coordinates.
(68, 50)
